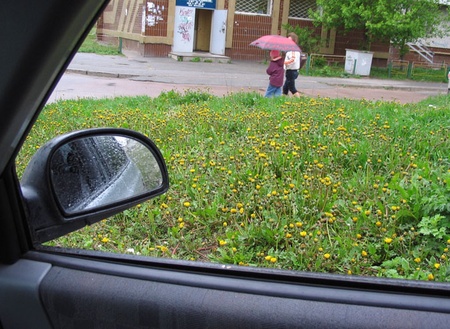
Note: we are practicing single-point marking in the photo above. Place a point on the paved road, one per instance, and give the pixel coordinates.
(91, 75)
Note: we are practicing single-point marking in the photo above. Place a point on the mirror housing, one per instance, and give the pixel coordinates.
(85, 176)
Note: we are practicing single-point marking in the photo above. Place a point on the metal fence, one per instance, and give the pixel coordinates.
(335, 64)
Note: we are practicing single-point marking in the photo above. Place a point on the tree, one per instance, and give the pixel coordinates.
(308, 42)
(397, 21)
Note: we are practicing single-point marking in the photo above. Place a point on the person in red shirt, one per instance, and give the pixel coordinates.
(276, 74)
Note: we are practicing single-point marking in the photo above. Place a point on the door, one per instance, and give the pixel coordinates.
(203, 29)
(218, 32)
(183, 39)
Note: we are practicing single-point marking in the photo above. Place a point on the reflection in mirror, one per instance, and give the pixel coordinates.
(92, 172)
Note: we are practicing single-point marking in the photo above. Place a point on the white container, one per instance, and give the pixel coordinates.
(358, 62)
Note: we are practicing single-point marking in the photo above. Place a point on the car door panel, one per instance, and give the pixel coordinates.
(82, 293)
(19, 285)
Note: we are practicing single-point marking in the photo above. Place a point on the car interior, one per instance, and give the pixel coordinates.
(49, 287)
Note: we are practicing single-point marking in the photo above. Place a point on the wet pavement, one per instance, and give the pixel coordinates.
(98, 76)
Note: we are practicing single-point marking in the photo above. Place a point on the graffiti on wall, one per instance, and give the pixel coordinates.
(151, 15)
(186, 23)
(223, 28)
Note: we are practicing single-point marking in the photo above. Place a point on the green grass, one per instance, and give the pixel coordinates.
(417, 74)
(311, 184)
(91, 45)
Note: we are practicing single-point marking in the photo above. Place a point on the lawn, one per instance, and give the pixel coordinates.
(311, 184)
(91, 45)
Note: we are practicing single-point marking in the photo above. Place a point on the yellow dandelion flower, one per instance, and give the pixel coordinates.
(105, 240)
(303, 233)
(364, 253)
(222, 242)
(388, 240)
(273, 260)
(187, 204)
(437, 266)
(430, 277)
(326, 256)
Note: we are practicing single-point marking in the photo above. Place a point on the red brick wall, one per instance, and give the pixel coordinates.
(441, 55)
(156, 50)
(248, 28)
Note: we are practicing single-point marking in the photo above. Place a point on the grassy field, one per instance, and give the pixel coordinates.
(340, 186)
(437, 74)
(91, 45)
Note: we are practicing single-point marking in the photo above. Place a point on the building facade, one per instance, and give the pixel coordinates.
(221, 27)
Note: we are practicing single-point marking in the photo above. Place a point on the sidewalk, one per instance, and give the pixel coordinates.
(239, 75)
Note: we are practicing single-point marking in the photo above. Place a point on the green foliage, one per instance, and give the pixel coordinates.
(399, 21)
(307, 40)
(312, 184)
(436, 226)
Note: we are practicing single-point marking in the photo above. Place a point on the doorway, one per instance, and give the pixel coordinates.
(203, 20)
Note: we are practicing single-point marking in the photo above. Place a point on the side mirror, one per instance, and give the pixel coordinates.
(82, 177)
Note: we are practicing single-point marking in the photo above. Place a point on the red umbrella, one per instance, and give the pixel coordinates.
(275, 42)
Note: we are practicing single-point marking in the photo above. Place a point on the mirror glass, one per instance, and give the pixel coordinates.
(92, 172)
